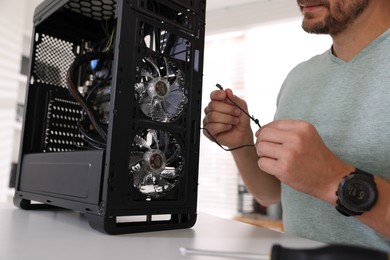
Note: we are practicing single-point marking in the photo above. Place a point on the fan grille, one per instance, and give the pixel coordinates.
(161, 93)
(156, 163)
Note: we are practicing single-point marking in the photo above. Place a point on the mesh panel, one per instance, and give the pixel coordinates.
(96, 9)
(52, 60)
(61, 133)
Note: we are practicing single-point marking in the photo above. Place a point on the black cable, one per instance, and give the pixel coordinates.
(91, 140)
(246, 113)
(220, 145)
(97, 86)
(255, 120)
(71, 83)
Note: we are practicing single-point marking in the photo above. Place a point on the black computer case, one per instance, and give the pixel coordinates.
(112, 114)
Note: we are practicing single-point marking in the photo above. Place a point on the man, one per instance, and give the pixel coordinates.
(332, 120)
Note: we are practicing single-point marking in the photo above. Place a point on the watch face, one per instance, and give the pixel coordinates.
(358, 194)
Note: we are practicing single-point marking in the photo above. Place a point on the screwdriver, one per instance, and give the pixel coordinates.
(329, 252)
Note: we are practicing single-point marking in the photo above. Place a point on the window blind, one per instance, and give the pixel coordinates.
(218, 176)
(11, 35)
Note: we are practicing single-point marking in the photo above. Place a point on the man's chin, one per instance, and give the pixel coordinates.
(315, 26)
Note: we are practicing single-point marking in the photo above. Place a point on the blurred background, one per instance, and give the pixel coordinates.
(250, 47)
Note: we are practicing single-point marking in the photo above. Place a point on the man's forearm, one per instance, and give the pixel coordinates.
(264, 187)
(378, 218)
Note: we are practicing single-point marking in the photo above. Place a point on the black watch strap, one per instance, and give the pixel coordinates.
(368, 175)
(346, 212)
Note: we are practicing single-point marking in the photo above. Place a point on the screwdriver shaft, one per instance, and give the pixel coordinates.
(237, 255)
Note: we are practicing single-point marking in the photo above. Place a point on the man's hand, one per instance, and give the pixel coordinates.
(225, 122)
(293, 152)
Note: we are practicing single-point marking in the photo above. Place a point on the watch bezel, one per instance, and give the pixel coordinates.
(350, 205)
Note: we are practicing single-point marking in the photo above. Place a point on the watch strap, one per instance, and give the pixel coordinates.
(346, 212)
(368, 175)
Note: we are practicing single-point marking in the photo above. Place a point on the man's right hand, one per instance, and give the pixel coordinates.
(225, 122)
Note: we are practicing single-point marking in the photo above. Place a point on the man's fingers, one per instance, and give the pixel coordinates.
(268, 165)
(219, 95)
(220, 118)
(287, 124)
(215, 129)
(269, 150)
(284, 131)
(221, 107)
(274, 135)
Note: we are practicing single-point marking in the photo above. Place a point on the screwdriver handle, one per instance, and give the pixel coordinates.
(329, 252)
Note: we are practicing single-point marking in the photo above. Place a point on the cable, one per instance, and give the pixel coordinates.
(246, 113)
(109, 43)
(220, 145)
(71, 79)
(255, 120)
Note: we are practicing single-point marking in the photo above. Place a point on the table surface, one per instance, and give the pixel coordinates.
(63, 234)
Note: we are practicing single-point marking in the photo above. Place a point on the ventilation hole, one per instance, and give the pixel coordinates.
(103, 9)
(52, 59)
(62, 124)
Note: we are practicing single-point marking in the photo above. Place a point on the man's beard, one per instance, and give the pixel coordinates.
(338, 18)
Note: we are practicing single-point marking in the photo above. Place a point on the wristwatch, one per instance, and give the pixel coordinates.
(356, 194)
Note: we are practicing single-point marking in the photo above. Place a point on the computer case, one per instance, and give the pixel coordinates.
(112, 115)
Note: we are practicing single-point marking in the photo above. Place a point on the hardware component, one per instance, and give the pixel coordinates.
(155, 163)
(161, 94)
(113, 109)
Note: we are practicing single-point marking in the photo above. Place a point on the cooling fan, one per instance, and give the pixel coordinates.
(155, 162)
(161, 95)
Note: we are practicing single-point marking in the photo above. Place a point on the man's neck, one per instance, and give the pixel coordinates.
(368, 27)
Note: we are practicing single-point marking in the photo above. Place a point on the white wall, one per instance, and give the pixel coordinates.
(249, 15)
(11, 31)
(16, 25)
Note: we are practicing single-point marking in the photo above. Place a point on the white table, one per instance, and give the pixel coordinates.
(62, 234)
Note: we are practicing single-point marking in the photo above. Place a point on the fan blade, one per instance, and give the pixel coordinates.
(166, 66)
(147, 185)
(163, 184)
(169, 173)
(171, 70)
(146, 104)
(150, 60)
(146, 73)
(138, 172)
(164, 141)
(158, 112)
(173, 156)
(141, 142)
(135, 157)
(174, 102)
(155, 185)
(155, 138)
(176, 86)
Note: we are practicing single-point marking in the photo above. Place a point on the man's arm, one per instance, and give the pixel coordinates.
(378, 218)
(231, 128)
(293, 152)
(264, 187)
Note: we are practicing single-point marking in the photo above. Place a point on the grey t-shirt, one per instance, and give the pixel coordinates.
(349, 104)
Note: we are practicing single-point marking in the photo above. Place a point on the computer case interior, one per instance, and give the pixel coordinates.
(112, 113)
